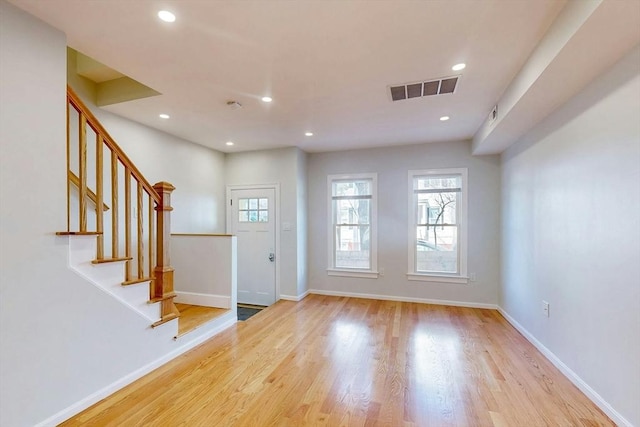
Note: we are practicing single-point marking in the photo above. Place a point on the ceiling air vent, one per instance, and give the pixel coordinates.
(428, 88)
(448, 85)
(414, 90)
(431, 88)
(398, 93)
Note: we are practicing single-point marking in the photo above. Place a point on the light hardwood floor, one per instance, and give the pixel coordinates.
(194, 316)
(334, 361)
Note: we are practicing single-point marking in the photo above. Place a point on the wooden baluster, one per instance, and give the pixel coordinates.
(151, 246)
(99, 197)
(163, 284)
(114, 205)
(82, 171)
(140, 215)
(127, 221)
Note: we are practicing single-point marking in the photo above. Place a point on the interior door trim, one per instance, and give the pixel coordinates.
(276, 188)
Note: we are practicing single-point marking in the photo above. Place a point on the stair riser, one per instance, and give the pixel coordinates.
(109, 277)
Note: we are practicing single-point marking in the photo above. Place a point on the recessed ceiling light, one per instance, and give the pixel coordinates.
(308, 134)
(266, 99)
(229, 143)
(166, 16)
(164, 116)
(458, 67)
(444, 118)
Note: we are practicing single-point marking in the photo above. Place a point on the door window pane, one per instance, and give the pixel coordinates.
(253, 210)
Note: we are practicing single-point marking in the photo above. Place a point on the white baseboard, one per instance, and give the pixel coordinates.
(572, 376)
(207, 300)
(83, 404)
(295, 298)
(404, 299)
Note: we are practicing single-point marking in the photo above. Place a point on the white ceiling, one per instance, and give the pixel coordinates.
(327, 64)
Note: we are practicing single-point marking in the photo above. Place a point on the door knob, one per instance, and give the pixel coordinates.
(272, 257)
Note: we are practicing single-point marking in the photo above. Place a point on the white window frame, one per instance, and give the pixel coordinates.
(461, 208)
(372, 272)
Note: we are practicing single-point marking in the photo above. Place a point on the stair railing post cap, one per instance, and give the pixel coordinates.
(163, 186)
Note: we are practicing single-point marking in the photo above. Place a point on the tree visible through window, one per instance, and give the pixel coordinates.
(352, 208)
(437, 197)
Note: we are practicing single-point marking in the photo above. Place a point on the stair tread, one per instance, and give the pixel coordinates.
(107, 260)
(78, 233)
(165, 319)
(136, 281)
(166, 297)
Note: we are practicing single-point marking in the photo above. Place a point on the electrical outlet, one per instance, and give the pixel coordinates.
(472, 277)
(545, 308)
(381, 272)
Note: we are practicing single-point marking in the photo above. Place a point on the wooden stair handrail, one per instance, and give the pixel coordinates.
(108, 140)
(146, 233)
(73, 178)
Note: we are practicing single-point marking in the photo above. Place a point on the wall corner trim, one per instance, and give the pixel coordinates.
(572, 376)
(295, 298)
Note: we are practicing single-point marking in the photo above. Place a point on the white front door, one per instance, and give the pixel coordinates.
(253, 222)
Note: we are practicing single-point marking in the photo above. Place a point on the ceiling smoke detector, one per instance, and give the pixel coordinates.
(234, 105)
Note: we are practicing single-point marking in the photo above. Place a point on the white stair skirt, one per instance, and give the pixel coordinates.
(109, 277)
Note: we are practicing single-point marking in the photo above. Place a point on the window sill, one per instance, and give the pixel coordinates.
(437, 278)
(353, 273)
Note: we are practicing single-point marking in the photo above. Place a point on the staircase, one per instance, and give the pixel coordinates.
(117, 222)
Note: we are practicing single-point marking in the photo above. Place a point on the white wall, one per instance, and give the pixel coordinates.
(281, 166)
(203, 274)
(571, 235)
(61, 339)
(391, 165)
(197, 172)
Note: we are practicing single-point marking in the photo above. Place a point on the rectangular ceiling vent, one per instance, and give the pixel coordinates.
(428, 88)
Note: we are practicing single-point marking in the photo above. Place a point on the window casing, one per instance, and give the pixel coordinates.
(352, 225)
(438, 225)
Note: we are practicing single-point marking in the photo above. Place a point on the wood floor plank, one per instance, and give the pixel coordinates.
(193, 316)
(337, 361)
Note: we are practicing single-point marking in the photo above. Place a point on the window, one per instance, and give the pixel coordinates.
(253, 210)
(352, 225)
(437, 225)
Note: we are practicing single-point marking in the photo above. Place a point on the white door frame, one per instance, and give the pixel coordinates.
(276, 188)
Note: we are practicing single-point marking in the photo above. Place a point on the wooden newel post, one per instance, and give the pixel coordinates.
(163, 283)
